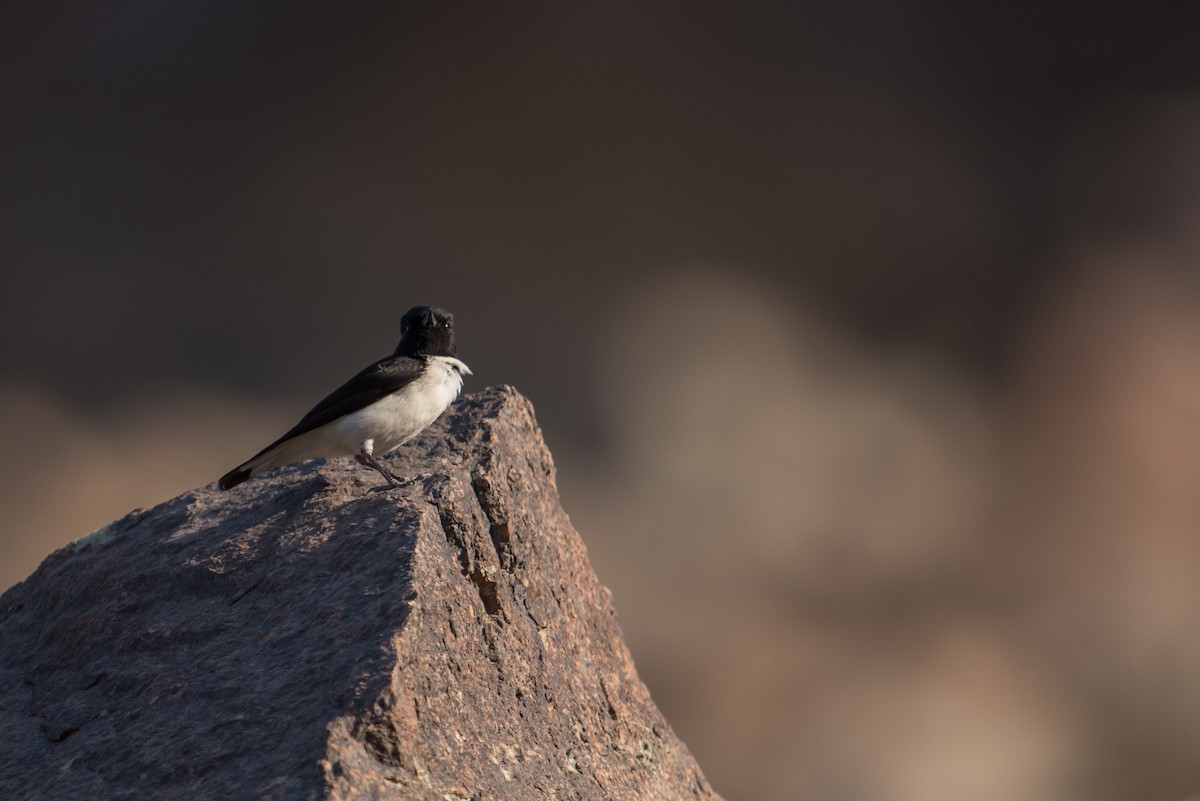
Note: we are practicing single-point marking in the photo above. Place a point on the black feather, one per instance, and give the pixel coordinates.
(234, 477)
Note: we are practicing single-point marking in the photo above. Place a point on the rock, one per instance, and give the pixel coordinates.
(305, 636)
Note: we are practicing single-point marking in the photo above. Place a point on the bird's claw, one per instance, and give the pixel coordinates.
(396, 482)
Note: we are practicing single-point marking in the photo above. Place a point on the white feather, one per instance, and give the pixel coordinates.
(384, 425)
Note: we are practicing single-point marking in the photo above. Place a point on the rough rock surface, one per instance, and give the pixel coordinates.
(304, 636)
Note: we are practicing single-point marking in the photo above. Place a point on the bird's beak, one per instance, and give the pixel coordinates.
(429, 319)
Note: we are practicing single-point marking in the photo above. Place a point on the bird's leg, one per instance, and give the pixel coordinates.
(366, 459)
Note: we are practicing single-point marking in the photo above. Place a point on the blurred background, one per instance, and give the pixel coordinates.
(866, 335)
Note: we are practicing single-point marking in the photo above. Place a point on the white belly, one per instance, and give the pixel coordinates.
(393, 420)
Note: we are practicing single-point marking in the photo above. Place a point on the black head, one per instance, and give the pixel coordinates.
(426, 331)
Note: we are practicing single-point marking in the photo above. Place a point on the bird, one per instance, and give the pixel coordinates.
(385, 405)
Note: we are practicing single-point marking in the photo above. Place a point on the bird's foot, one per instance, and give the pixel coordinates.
(395, 482)
(419, 477)
(367, 460)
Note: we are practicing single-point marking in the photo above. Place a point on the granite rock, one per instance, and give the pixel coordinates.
(309, 636)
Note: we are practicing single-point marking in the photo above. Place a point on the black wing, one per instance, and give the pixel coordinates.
(372, 383)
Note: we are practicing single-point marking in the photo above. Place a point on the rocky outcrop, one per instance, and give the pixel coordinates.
(306, 636)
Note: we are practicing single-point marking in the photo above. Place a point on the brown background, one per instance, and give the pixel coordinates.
(865, 334)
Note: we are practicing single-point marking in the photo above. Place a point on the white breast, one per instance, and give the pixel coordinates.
(393, 420)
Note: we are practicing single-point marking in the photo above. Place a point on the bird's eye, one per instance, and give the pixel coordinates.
(446, 324)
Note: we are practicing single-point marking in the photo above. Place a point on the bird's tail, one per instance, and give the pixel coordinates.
(286, 450)
(234, 477)
(251, 467)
